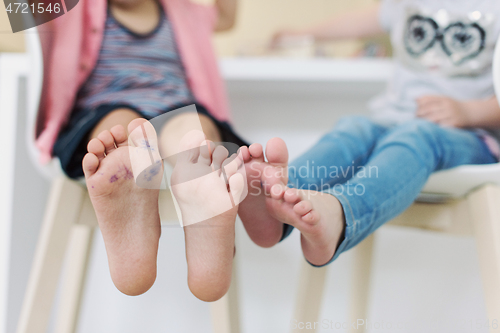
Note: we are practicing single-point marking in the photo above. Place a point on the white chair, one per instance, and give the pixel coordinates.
(68, 229)
(12, 68)
(461, 201)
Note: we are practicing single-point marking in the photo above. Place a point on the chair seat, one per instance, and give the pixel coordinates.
(459, 181)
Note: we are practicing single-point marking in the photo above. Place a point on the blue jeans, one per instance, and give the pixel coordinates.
(377, 172)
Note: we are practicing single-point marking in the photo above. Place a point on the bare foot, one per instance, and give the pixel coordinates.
(208, 188)
(318, 216)
(127, 214)
(262, 228)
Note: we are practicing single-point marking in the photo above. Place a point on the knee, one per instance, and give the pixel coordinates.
(186, 120)
(419, 128)
(359, 126)
(417, 134)
(193, 121)
(181, 124)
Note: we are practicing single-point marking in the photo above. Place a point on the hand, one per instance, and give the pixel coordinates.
(444, 111)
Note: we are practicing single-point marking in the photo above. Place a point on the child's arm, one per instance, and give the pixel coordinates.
(227, 14)
(449, 112)
(355, 24)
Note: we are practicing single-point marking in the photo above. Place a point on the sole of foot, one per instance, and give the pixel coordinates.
(318, 216)
(127, 214)
(261, 226)
(208, 188)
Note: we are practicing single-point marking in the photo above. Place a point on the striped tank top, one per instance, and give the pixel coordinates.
(142, 71)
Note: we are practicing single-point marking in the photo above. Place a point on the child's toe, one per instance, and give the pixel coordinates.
(108, 141)
(134, 124)
(277, 152)
(245, 153)
(90, 164)
(218, 157)
(136, 134)
(256, 151)
(303, 207)
(311, 218)
(232, 164)
(278, 191)
(120, 135)
(96, 147)
(142, 134)
(292, 196)
(206, 152)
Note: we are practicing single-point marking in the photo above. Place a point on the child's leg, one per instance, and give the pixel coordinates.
(261, 227)
(120, 116)
(337, 156)
(209, 244)
(346, 147)
(399, 167)
(174, 131)
(127, 214)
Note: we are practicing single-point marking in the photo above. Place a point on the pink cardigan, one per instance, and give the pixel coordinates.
(71, 45)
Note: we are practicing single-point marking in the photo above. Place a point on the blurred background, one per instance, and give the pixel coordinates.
(259, 20)
(296, 93)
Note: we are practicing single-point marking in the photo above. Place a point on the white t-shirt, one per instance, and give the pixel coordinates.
(441, 47)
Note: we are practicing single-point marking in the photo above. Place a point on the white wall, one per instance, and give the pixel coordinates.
(258, 20)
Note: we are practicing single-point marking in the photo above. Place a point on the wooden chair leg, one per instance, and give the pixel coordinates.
(225, 312)
(310, 295)
(363, 254)
(62, 213)
(485, 214)
(75, 273)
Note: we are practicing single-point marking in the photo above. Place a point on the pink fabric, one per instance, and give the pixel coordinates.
(493, 145)
(71, 45)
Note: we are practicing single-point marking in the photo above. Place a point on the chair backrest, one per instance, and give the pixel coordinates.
(470, 176)
(33, 95)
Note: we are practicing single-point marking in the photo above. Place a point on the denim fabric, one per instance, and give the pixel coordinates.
(377, 172)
